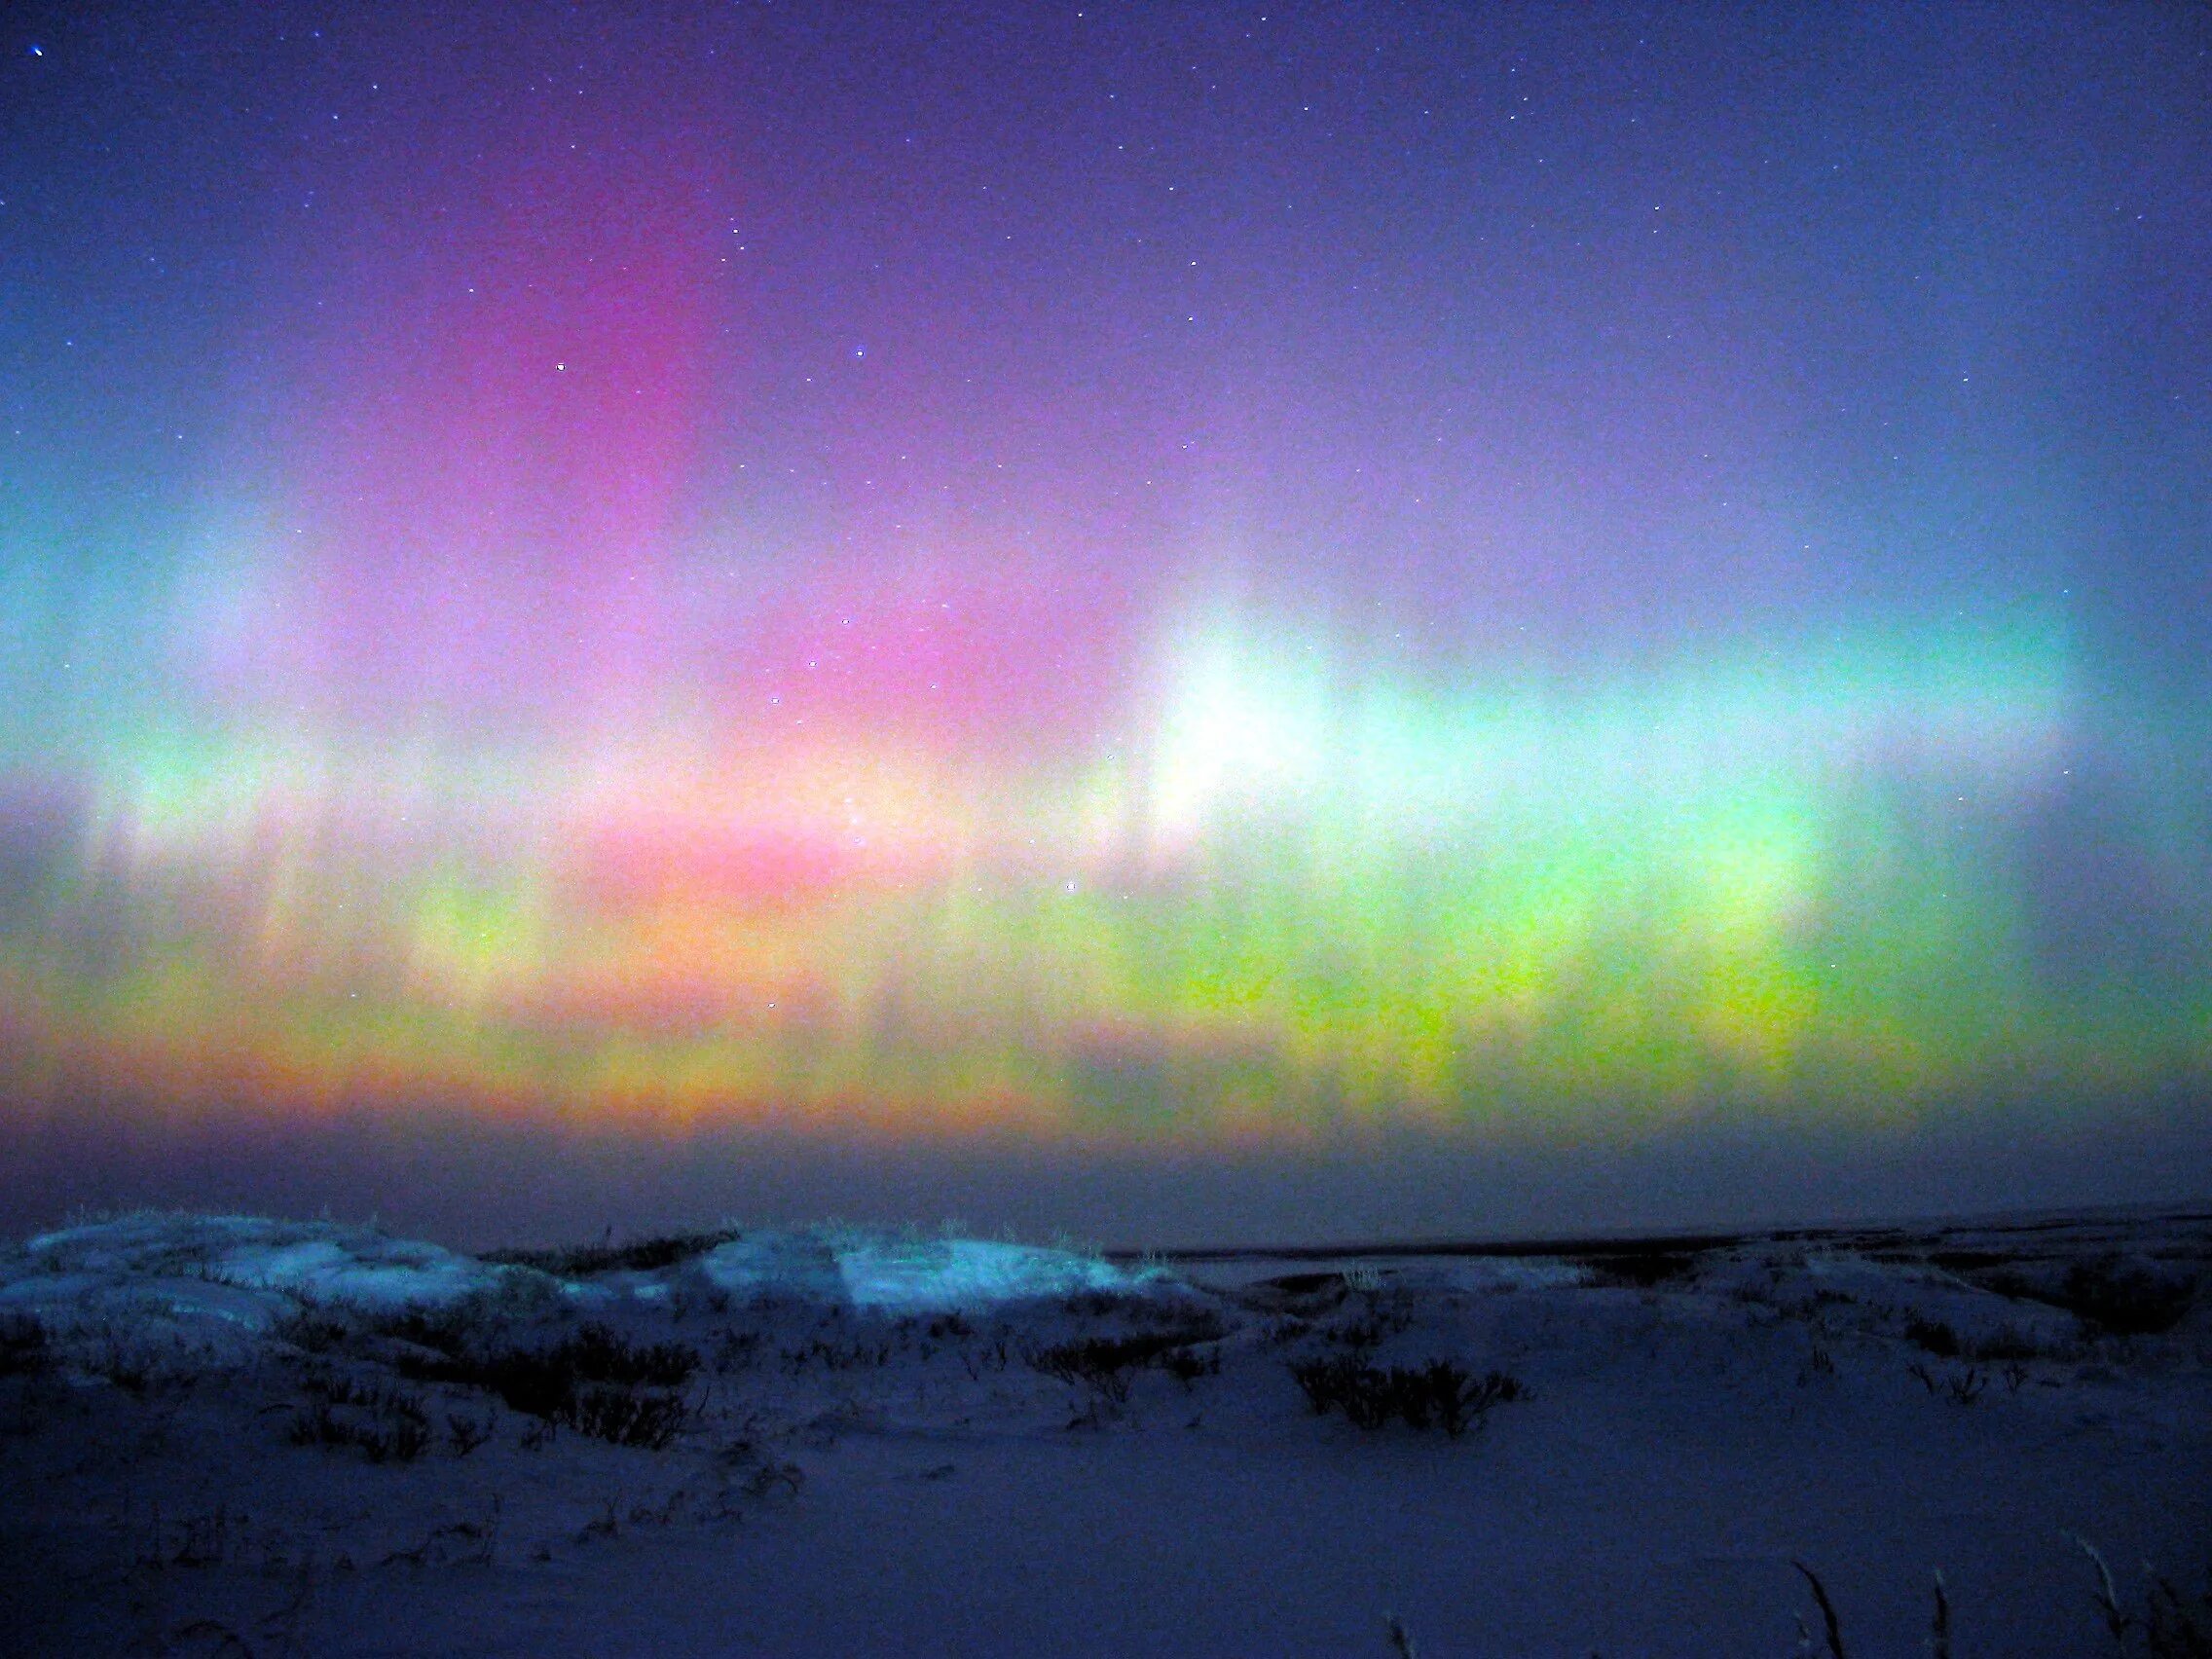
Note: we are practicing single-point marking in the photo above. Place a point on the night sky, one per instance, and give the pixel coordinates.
(1190, 621)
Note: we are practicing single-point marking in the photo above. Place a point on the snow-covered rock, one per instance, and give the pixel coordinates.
(881, 1271)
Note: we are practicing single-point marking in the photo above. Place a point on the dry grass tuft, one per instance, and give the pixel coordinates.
(1831, 1626)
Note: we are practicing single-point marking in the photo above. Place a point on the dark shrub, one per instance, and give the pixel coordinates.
(1098, 1304)
(1187, 1366)
(599, 1353)
(447, 1330)
(648, 1420)
(540, 1381)
(1184, 1324)
(1440, 1392)
(1635, 1270)
(1104, 1363)
(556, 1383)
(316, 1425)
(1933, 1335)
(1302, 1295)
(2179, 1626)
(2128, 1300)
(2006, 1343)
(1967, 1261)
(387, 1425)
(401, 1440)
(309, 1330)
(23, 1347)
(645, 1255)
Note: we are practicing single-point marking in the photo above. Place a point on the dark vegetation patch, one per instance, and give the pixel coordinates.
(448, 1330)
(599, 1353)
(853, 1355)
(126, 1367)
(1967, 1261)
(1808, 1306)
(640, 1256)
(1933, 1335)
(593, 1381)
(24, 1351)
(389, 1426)
(590, 1353)
(1367, 1330)
(2009, 1343)
(2177, 1625)
(1101, 1304)
(736, 1351)
(1960, 1387)
(1188, 1325)
(1306, 1284)
(2127, 1299)
(1187, 1364)
(1105, 1364)
(2112, 1295)
(2006, 1343)
(2172, 1623)
(1636, 1269)
(1505, 1249)
(1441, 1394)
(1304, 1294)
(646, 1418)
(313, 1331)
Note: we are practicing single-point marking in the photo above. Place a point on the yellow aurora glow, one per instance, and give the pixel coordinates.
(1296, 888)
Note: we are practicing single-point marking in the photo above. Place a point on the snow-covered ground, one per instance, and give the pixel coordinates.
(232, 1435)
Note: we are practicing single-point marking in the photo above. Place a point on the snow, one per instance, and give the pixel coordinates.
(890, 1445)
(313, 1260)
(891, 1273)
(890, 1276)
(215, 1285)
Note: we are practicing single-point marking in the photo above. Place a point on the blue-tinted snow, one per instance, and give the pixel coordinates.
(894, 1274)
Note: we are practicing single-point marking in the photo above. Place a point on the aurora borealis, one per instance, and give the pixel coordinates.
(1156, 577)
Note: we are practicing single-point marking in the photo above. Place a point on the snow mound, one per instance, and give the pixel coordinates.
(194, 1271)
(799, 1267)
(245, 1273)
(963, 1273)
(889, 1274)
